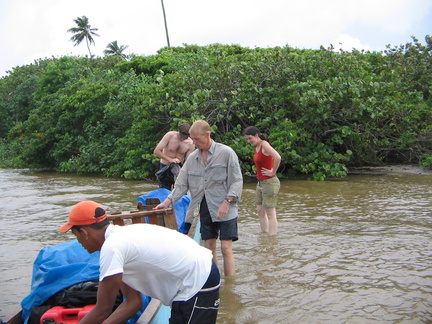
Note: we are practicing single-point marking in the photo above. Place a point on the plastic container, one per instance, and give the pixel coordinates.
(59, 314)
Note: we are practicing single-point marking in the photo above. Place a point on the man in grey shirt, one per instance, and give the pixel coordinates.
(213, 176)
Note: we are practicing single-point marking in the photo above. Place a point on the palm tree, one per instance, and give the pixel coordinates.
(114, 49)
(83, 31)
(166, 26)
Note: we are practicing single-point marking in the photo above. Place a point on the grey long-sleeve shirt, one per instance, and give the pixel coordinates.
(219, 178)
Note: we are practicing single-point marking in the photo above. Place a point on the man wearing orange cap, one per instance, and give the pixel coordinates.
(145, 259)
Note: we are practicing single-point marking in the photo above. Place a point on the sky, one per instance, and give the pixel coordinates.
(37, 29)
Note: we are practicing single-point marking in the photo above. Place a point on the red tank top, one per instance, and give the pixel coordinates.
(262, 161)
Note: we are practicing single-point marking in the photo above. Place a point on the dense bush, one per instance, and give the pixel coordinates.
(323, 110)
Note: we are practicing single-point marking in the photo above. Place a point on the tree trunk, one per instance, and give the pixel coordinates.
(166, 26)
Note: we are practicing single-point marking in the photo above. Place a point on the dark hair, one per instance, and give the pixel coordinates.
(252, 130)
(96, 226)
(184, 128)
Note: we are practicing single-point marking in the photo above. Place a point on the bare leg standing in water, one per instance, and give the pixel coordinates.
(268, 220)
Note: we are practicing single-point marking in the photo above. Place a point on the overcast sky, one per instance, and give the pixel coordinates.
(33, 29)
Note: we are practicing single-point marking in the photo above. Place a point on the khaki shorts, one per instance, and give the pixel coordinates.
(266, 192)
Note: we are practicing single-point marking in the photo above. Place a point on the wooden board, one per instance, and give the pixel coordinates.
(164, 217)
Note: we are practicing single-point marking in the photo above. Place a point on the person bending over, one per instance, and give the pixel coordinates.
(145, 259)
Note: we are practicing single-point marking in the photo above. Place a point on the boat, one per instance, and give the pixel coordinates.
(173, 217)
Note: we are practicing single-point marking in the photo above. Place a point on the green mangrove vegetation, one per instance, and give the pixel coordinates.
(323, 110)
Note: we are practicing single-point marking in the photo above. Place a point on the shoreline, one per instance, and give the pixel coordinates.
(390, 169)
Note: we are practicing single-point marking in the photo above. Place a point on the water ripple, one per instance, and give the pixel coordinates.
(350, 251)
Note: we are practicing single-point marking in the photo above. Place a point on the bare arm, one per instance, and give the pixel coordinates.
(106, 296)
(269, 150)
(128, 308)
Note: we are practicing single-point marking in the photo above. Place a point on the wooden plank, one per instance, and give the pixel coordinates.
(164, 217)
(193, 227)
(150, 311)
(144, 213)
(137, 220)
(170, 220)
(117, 221)
(15, 318)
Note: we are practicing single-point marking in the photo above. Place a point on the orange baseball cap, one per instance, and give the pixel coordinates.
(84, 213)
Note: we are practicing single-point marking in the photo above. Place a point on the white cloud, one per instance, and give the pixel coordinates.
(33, 29)
(392, 15)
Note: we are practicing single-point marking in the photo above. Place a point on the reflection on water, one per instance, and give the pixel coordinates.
(349, 251)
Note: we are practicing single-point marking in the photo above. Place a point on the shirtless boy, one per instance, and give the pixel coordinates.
(174, 147)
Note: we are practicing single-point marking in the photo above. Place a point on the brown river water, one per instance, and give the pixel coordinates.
(357, 250)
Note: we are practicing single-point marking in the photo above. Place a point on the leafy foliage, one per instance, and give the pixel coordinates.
(324, 111)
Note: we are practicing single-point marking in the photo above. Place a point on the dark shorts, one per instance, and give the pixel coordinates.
(201, 308)
(166, 181)
(211, 230)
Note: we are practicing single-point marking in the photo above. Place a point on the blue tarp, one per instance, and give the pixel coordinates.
(180, 207)
(59, 267)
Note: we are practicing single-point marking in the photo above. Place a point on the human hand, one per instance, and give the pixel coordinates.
(175, 160)
(223, 210)
(267, 172)
(163, 204)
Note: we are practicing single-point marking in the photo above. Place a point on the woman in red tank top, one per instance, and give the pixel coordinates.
(267, 161)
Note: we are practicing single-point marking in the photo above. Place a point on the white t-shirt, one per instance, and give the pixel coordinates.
(156, 261)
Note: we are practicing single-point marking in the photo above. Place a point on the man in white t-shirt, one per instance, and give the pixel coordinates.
(146, 259)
